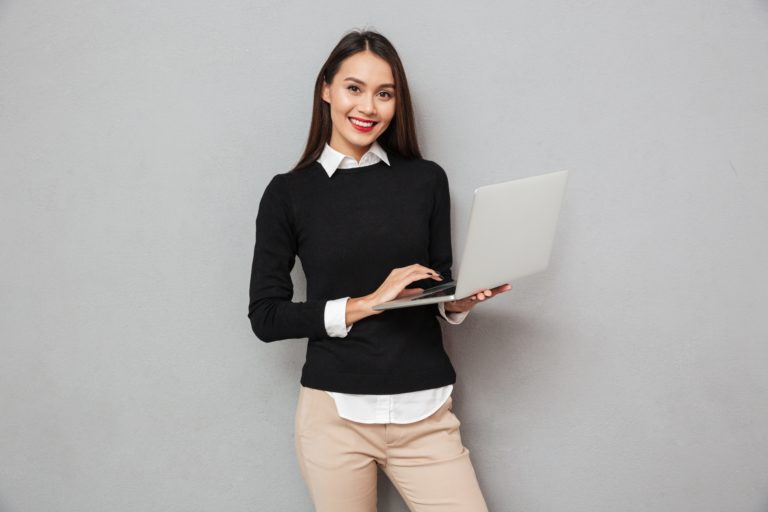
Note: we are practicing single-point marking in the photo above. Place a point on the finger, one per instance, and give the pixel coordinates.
(428, 270)
(417, 275)
(501, 289)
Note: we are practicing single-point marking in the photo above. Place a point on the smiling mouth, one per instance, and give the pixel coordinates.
(362, 124)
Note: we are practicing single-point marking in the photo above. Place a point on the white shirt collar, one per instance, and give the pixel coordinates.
(331, 159)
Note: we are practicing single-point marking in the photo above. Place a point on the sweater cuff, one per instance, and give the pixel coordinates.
(335, 318)
(454, 318)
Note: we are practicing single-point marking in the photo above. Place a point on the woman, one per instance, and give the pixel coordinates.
(370, 221)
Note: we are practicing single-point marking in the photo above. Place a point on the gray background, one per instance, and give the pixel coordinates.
(136, 139)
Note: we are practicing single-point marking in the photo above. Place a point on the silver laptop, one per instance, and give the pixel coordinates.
(511, 229)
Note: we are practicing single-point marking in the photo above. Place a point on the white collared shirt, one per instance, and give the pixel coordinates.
(397, 408)
(331, 159)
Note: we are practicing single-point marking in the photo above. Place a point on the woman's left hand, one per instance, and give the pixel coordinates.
(467, 303)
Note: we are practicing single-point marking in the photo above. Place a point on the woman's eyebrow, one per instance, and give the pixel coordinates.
(391, 86)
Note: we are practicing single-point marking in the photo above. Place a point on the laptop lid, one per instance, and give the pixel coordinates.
(511, 230)
(510, 234)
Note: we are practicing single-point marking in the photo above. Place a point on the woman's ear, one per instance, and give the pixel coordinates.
(326, 94)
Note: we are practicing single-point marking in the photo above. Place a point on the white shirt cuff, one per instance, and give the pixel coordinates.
(336, 318)
(451, 317)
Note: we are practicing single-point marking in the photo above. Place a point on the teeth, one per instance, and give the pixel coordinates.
(360, 123)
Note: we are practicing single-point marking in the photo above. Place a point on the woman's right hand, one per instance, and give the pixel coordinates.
(394, 286)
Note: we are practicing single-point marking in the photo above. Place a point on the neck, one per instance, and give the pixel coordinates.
(355, 152)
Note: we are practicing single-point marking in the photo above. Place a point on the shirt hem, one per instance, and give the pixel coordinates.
(389, 384)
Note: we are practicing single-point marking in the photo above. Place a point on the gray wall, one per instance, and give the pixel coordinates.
(136, 139)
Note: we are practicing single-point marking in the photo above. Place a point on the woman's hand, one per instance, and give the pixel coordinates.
(394, 285)
(467, 303)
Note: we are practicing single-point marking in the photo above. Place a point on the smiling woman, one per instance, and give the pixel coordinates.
(363, 71)
(370, 220)
(368, 106)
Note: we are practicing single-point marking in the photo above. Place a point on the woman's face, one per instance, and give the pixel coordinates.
(363, 89)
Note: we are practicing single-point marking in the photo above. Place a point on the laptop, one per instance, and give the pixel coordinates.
(511, 229)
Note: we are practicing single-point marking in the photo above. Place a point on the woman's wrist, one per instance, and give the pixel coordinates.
(359, 308)
(450, 307)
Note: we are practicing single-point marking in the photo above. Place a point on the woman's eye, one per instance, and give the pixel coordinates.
(355, 88)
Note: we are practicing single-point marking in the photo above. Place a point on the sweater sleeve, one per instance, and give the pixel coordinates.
(272, 313)
(440, 250)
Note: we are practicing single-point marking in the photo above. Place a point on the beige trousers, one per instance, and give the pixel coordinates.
(425, 460)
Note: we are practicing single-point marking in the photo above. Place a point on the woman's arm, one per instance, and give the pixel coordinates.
(272, 313)
(440, 250)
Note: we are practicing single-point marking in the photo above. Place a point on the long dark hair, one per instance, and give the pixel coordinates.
(400, 135)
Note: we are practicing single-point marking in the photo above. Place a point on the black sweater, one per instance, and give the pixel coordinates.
(350, 231)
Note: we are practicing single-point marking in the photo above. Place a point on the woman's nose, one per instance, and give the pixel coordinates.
(367, 105)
